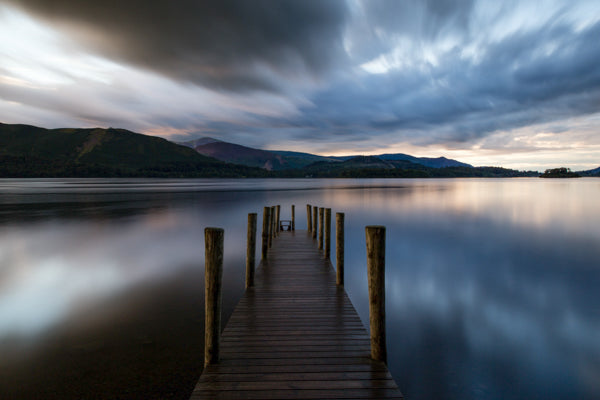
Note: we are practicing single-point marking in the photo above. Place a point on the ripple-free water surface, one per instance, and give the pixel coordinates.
(491, 284)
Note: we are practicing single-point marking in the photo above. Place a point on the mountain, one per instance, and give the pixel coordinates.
(439, 162)
(238, 154)
(276, 160)
(271, 160)
(198, 142)
(29, 151)
(294, 159)
(374, 167)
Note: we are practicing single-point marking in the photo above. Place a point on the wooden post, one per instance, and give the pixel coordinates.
(309, 218)
(293, 217)
(376, 273)
(321, 230)
(277, 229)
(339, 248)
(251, 250)
(315, 223)
(265, 232)
(271, 226)
(213, 278)
(328, 233)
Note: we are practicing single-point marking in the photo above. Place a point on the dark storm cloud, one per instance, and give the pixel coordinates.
(228, 44)
(528, 78)
(361, 74)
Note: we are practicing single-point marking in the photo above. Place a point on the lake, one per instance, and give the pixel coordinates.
(491, 284)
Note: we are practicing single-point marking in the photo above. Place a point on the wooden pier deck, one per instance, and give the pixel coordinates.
(295, 335)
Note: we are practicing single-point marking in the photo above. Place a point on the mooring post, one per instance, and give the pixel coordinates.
(339, 248)
(278, 228)
(315, 223)
(251, 250)
(274, 221)
(271, 226)
(321, 227)
(328, 233)
(376, 275)
(265, 232)
(213, 278)
(293, 217)
(308, 218)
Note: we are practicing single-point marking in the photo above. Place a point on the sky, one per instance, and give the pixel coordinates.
(510, 83)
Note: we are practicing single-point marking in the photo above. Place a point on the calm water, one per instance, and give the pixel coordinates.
(492, 285)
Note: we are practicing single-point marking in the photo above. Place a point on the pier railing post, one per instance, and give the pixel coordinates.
(293, 217)
(265, 232)
(277, 228)
(321, 227)
(213, 278)
(315, 223)
(339, 248)
(251, 250)
(328, 233)
(376, 275)
(309, 218)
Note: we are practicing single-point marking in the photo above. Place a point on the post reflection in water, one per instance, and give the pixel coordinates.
(491, 284)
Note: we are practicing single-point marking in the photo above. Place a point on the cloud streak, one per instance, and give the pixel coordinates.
(449, 75)
(232, 45)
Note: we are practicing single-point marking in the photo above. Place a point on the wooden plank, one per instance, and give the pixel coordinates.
(294, 376)
(295, 335)
(339, 394)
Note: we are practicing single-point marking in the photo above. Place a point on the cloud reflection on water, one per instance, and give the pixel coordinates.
(52, 268)
(483, 298)
(491, 284)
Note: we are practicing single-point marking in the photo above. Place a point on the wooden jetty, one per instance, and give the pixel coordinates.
(295, 334)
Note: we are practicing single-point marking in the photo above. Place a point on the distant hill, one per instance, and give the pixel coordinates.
(238, 154)
(439, 162)
(275, 160)
(294, 159)
(29, 151)
(243, 155)
(198, 142)
(374, 167)
(590, 172)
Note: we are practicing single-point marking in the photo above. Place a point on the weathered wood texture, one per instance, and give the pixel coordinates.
(315, 222)
(321, 226)
(265, 232)
(376, 276)
(339, 248)
(278, 212)
(327, 249)
(293, 217)
(295, 335)
(251, 250)
(213, 281)
(272, 226)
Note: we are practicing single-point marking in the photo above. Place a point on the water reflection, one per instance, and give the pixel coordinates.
(491, 284)
(487, 305)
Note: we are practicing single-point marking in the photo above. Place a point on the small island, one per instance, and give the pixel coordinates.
(559, 173)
